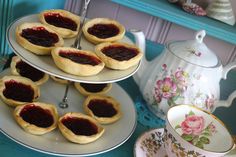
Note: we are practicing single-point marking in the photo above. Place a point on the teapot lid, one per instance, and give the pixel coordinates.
(194, 51)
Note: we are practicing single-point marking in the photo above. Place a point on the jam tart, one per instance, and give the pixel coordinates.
(118, 56)
(104, 109)
(36, 118)
(65, 23)
(17, 90)
(59, 80)
(88, 89)
(38, 38)
(80, 128)
(100, 30)
(19, 67)
(77, 62)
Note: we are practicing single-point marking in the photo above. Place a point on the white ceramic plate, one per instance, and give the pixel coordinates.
(46, 63)
(54, 143)
(149, 144)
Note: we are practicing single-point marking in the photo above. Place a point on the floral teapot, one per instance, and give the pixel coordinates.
(186, 72)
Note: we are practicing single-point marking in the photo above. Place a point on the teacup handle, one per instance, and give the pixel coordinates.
(199, 36)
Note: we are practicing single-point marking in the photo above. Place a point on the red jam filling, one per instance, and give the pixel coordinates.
(28, 71)
(80, 58)
(104, 31)
(57, 20)
(36, 115)
(18, 91)
(93, 88)
(40, 36)
(80, 126)
(102, 108)
(120, 53)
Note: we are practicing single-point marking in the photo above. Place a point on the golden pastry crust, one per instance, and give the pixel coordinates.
(104, 119)
(63, 32)
(81, 139)
(32, 128)
(85, 92)
(36, 49)
(22, 80)
(116, 64)
(75, 68)
(94, 39)
(59, 80)
(15, 60)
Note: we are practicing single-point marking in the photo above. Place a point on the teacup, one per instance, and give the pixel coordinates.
(193, 132)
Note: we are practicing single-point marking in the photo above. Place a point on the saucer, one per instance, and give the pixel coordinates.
(150, 144)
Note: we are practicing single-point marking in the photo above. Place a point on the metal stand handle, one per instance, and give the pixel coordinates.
(64, 102)
(79, 36)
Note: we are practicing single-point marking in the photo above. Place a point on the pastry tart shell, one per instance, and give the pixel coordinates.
(59, 80)
(103, 120)
(96, 40)
(63, 32)
(36, 49)
(31, 128)
(74, 68)
(20, 79)
(80, 139)
(14, 71)
(116, 64)
(86, 93)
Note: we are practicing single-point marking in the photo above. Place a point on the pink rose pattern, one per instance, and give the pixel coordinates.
(209, 103)
(181, 80)
(194, 130)
(166, 88)
(192, 125)
(171, 86)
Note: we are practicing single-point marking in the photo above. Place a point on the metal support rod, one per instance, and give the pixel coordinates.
(82, 19)
(64, 102)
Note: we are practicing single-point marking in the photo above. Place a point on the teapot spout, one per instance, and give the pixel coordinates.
(140, 42)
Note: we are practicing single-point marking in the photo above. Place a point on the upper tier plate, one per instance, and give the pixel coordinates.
(46, 63)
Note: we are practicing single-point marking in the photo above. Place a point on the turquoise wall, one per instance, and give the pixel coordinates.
(25, 7)
(13, 9)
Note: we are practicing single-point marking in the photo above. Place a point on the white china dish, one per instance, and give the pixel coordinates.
(191, 131)
(144, 148)
(46, 64)
(54, 143)
(150, 144)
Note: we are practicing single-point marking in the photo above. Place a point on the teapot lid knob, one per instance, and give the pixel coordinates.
(200, 35)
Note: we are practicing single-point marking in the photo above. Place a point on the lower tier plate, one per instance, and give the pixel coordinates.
(54, 143)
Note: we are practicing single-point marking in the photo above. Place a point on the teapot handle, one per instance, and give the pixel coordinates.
(231, 97)
(228, 102)
(140, 42)
(227, 68)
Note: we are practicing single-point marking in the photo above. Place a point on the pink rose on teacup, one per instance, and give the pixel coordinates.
(193, 125)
